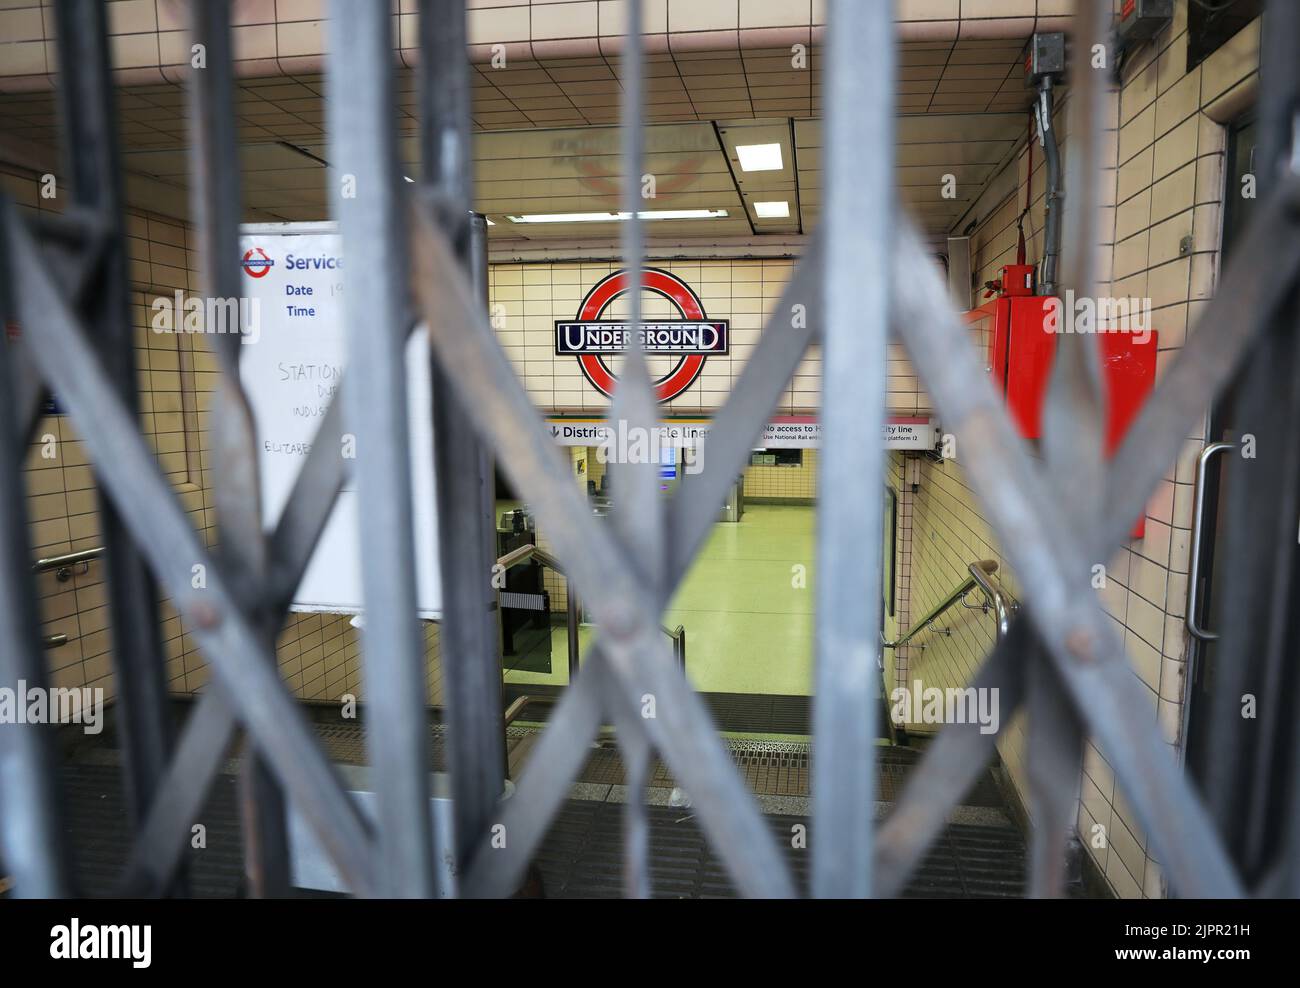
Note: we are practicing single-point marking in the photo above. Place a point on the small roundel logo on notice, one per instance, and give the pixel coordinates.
(257, 263)
(691, 338)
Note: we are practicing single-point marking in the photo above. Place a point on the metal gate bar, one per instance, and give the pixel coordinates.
(1072, 456)
(638, 516)
(363, 146)
(216, 208)
(31, 838)
(469, 635)
(1065, 660)
(92, 163)
(1250, 775)
(856, 289)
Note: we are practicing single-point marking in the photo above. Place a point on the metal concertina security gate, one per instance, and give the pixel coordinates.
(1057, 513)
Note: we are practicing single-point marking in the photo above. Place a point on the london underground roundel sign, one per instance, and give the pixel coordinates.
(691, 338)
(257, 262)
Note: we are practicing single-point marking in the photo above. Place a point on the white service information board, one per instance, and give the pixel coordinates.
(291, 368)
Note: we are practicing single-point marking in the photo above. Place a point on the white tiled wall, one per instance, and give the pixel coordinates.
(527, 299)
(1164, 184)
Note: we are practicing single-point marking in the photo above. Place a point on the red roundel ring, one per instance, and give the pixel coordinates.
(662, 283)
(261, 268)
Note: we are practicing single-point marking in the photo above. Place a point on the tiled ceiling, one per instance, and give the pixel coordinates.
(969, 76)
(548, 140)
(578, 170)
(928, 147)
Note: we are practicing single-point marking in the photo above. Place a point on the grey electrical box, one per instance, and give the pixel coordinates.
(1142, 20)
(1046, 58)
(959, 283)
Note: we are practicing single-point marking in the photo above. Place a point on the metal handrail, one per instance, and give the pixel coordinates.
(526, 553)
(1198, 522)
(1004, 606)
(516, 709)
(64, 562)
(517, 556)
(678, 636)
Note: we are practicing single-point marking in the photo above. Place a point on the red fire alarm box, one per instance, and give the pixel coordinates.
(1013, 279)
(1013, 330)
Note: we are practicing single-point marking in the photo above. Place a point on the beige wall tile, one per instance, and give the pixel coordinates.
(131, 16)
(296, 38)
(1176, 148)
(690, 15)
(23, 24)
(775, 13)
(1174, 193)
(564, 20)
(1234, 61)
(1178, 103)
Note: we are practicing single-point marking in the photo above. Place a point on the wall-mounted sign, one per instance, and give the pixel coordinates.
(911, 432)
(786, 432)
(291, 375)
(691, 338)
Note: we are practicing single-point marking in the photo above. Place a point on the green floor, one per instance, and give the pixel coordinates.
(747, 609)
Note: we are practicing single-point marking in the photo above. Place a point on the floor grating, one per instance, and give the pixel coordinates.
(769, 768)
(98, 833)
(581, 855)
(741, 713)
(787, 771)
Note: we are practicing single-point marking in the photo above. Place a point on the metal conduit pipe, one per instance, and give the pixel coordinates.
(1055, 211)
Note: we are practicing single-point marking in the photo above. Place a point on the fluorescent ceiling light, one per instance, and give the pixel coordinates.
(565, 218)
(678, 214)
(647, 214)
(772, 210)
(759, 157)
(489, 222)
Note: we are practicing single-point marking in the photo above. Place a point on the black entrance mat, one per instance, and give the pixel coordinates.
(741, 713)
(582, 857)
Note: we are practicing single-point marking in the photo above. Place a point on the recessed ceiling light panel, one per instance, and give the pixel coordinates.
(759, 157)
(778, 210)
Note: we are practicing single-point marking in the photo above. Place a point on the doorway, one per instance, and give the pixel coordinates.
(1204, 605)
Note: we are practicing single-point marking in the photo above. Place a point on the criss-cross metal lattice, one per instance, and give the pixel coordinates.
(866, 271)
